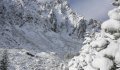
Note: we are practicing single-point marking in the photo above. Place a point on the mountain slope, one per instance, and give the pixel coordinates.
(41, 34)
(42, 26)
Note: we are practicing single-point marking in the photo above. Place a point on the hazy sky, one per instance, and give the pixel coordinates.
(96, 9)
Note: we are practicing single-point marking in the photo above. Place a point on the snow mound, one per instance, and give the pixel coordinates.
(99, 43)
(114, 14)
(111, 26)
(102, 63)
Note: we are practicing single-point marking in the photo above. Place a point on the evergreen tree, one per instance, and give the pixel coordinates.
(101, 52)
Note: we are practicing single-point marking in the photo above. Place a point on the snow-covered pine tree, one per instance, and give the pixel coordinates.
(101, 52)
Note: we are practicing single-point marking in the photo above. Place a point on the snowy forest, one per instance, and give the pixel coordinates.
(50, 35)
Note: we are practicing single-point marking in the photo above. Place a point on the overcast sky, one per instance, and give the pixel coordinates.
(96, 9)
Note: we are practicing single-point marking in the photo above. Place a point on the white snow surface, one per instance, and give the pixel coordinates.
(111, 25)
(114, 14)
(20, 60)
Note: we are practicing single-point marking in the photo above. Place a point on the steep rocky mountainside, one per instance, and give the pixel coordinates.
(40, 25)
(46, 27)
